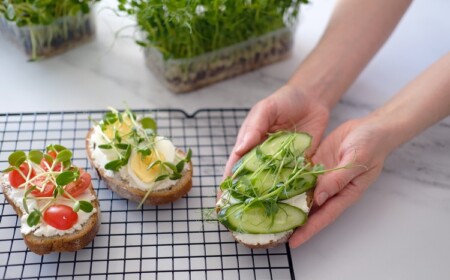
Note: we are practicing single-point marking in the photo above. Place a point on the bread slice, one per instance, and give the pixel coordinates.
(126, 190)
(281, 238)
(60, 243)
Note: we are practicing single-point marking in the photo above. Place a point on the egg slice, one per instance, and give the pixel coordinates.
(138, 167)
(123, 128)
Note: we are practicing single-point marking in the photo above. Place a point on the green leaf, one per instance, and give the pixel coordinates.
(161, 177)
(171, 166)
(180, 166)
(105, 146)
(34, 218)
(84, 7)
(17, 158)
(86, 206)
(188, 156)
(144, 152)
(226, 184)
(141, 43)
(9, 169)
(56, 148)
(148, 123)
(49, 159)
(110, 118)
(66, 177)
(64, 156)
(122, 146)
(175, 176)
(114, 165)
(117, 137)
(35, 156)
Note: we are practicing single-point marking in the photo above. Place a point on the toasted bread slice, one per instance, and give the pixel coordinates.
(60, 243)
(126, 190)
(281, 238)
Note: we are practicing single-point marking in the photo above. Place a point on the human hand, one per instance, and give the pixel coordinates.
(286, 109)
(362, 146)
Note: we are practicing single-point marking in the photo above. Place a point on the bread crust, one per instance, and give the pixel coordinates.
(124, 189)
(72, 242)
(284, 238)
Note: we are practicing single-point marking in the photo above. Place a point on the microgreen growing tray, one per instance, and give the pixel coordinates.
(41, 41)
(183, 75)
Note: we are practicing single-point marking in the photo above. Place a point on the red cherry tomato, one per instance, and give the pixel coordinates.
(46, 192)
(45, 164)
(53, 154)
(16, 179)
(79, 186)
(60, 216)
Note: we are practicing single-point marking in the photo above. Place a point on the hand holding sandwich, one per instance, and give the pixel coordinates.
(365, 143)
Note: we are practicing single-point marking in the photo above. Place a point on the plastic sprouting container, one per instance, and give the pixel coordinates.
(41, 41)
(183, 75)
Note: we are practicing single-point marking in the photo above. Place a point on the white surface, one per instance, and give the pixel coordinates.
(399, 230)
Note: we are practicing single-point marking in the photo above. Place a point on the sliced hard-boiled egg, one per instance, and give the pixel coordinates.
(138, 165)
(123, 127)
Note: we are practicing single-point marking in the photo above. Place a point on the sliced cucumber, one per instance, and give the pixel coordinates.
(254, 219)
(299, 142)
(299, 186)
(267, 179)
(251, 161)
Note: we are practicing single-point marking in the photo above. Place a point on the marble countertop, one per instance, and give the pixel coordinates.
(400, 229)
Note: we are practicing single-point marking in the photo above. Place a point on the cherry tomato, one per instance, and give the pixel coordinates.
(46, 192)
(15, 179)
(60, 216)
(53, 154)
(79, 186)
(45, 164)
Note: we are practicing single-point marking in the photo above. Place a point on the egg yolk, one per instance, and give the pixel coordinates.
(123, 128)
(139, 166)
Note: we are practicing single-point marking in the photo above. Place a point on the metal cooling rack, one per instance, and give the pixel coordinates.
(164, 242)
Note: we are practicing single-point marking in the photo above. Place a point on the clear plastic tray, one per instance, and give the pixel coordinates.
(183, 75)
(40, 41)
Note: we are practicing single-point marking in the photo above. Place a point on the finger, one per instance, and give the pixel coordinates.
(251, 133)
(333, 182)
(324, 216)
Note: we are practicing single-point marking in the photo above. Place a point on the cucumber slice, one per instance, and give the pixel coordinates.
(300, 141)
(255, 220)
(251, 161)
(267, 179)
(299, 186)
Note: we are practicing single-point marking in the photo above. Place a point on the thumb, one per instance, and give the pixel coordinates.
(333, 182)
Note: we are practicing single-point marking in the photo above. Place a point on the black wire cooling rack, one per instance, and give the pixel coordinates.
(164, 242)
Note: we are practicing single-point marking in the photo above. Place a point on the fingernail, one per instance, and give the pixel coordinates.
(323, 196)
(240, 145)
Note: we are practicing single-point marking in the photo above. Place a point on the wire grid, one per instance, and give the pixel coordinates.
(160, 242)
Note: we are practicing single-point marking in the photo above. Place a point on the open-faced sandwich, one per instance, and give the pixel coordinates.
(136, 162)
(270, 191)
(55, 200)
